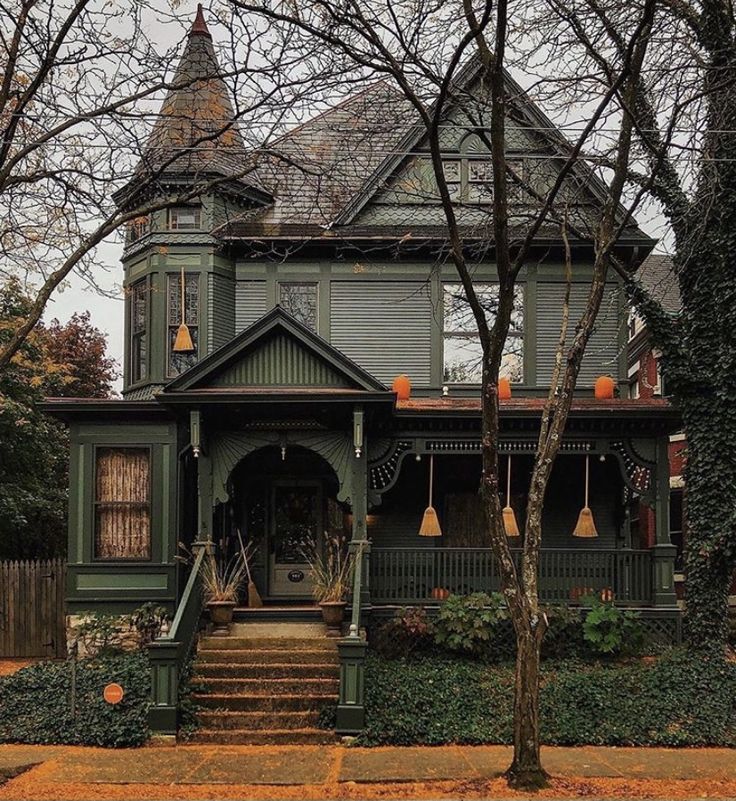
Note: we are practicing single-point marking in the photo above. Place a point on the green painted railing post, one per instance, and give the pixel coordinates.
(351, 706)
(168, 654)
(164, 660)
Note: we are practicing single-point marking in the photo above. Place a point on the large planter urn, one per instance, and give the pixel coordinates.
(333, 613)
(221, 615)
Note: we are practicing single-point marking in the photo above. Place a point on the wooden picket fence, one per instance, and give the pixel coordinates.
(32, 608)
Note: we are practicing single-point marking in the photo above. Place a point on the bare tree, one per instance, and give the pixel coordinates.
(683, 163)
(427, 52)
(81, 86)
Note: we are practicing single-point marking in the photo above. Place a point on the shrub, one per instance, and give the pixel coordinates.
(471, 624)
(610, 631)
(36, 703)
(682, 699)
(101, 635)
(564, 636)
(407, 632)
(148, 621)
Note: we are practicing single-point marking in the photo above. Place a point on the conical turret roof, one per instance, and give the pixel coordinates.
(195, 133)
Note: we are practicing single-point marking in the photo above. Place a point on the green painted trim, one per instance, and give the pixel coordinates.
(531, 311)
(122, 581)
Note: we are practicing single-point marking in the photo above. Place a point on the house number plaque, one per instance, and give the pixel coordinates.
(296, 576)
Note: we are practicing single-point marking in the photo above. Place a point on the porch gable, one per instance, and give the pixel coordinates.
(277, 351)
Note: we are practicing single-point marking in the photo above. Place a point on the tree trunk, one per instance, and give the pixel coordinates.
(526, 770)
(711, 518)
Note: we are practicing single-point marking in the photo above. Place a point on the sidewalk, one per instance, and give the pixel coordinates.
(269, 772)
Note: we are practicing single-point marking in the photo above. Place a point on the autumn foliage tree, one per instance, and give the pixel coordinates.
(63, 360)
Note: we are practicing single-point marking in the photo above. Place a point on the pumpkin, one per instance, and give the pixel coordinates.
(604, 387)
(440, 593)
(504, 389)
(402, 387)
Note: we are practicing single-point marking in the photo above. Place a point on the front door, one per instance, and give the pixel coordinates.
(295, 536)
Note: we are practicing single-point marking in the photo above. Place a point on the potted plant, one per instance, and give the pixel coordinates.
(221, 582)
(332, 571)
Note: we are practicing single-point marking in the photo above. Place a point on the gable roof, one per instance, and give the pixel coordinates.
(657, 274)
(220, 367)
(346, 157)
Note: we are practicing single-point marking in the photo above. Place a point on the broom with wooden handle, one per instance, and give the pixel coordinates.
(254, 597)
(430, 522)
(509, 518)
(586, 525)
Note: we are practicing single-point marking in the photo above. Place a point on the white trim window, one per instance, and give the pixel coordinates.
(462, 351)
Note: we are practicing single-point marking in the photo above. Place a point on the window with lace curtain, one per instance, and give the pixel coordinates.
(122, 503)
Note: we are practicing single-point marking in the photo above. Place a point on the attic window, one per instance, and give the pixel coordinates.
(185, 218)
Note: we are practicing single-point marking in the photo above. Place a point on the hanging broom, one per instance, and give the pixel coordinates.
(183, 342)
(430, 522)
(509, 518)
(586, 525)
(254, 597)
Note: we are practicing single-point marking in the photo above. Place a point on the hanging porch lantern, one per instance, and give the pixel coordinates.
(430, 522)
(509, 518)
(183, 342)
(586, 525)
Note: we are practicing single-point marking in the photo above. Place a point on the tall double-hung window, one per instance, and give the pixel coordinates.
(139, 319)
(177, 363)
(462, 351)
(122, 503)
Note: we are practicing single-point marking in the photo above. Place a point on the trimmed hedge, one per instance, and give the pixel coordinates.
(35, 703)
(678, 700)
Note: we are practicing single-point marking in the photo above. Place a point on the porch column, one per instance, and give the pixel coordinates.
(204, 480)
(359, 503)
(352, 649)
(663, 552)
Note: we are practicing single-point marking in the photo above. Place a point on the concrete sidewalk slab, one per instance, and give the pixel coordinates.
(285, 766)
(405, 765)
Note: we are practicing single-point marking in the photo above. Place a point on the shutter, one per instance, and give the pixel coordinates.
(384, 326)
(602, 353)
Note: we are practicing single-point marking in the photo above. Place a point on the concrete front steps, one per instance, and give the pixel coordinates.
(265, 684)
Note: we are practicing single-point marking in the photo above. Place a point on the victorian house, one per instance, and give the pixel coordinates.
(308, 284)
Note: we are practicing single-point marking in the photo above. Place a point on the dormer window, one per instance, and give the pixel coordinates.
(185, 218)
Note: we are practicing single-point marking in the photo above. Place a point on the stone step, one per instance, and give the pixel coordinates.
(263, 703)
(259, 721)
(307, 736)
(275, 630)
(267, 643)
(270, 687)
(267, 657)
(222, 670)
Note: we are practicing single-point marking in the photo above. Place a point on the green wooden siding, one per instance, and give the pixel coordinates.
(221, 310)
(250, 303)
(602, 354)
(384, 326)
(281, 361)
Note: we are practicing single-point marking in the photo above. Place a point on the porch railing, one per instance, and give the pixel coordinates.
(168, 654)
(425, 575)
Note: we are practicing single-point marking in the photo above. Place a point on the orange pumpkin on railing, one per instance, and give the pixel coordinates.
(605, 387)
(402, 387)
(504, 389)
